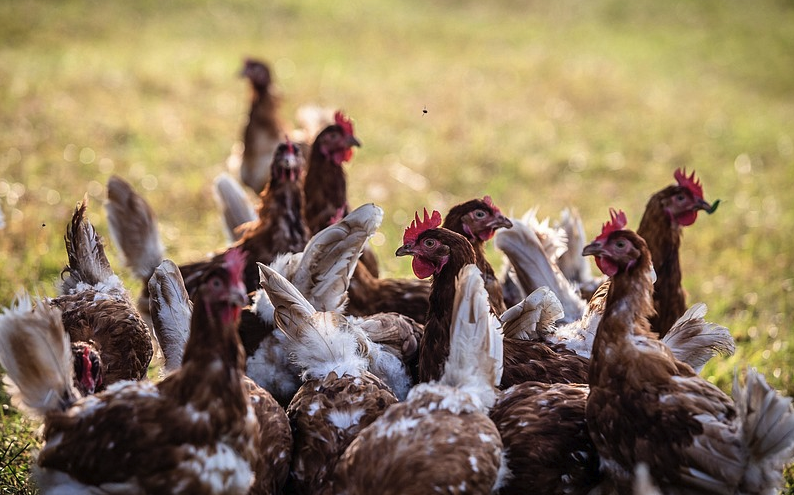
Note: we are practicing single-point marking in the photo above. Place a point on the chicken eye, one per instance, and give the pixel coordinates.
(680, 197)
(620, 244)
(479, 214)
(215, 283)
(429, 243)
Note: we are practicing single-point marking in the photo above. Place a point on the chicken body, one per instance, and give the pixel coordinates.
(646, 407)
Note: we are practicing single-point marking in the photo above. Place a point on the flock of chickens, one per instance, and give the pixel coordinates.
(291, 366)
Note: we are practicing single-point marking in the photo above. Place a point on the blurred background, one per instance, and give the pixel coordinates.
(550, 104)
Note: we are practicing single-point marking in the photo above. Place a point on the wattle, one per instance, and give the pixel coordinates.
(606, 266)
(687, 218)
(486, 235)
(422, 268)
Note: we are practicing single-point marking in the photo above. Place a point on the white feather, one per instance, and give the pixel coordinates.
(475, 353)
(534, 269)
(234, 204)
(694, 341)
(35, 352)
(170, 308)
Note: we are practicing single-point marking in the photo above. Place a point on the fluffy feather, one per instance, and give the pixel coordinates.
(234, 204)
(170, 309)
(534, 269)
(87, 261)
(695, 341)
(475, 350)
(37, 356)
(532, 316)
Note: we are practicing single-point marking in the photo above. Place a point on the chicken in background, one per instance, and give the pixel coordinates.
(440, 440)
(263, 131)
(665, 214)
(109, 339)
(234, 204)
(171, 312)
(441, 253)
(194, 432)
(280, 227)
(647, 407)
(338, 398)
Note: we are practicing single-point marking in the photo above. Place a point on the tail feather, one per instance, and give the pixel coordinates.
(475, 351)
(768, 431)
(321, 342)
(573, 265)
(87, 260)
(695, 341)
(171, 309)
(133, 228)
(234, 204)
(331, 256)
(534, 269)
(533, 316)
(36, 353)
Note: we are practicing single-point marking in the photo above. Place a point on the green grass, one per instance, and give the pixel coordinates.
(591, 104)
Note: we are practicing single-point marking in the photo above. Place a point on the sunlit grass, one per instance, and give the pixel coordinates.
(592, 104)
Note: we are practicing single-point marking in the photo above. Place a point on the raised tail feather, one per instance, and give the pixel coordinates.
(171, 310)
(88, 263)
(475, 351)
(331, 255)
(573, 265)
(534, 269)
(133, 228)
(768, 431)
(694, 341)
(321, 342)
(530, 318)
(234, 204)
(36, 353)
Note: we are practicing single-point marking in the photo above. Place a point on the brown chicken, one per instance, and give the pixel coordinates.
(280, 227)
(441, 253)
(440, 440)
(193, 433)
(264, 130)
(647, 407)
(477, 220)
(338, 398)
(109, 339)
(665, 214)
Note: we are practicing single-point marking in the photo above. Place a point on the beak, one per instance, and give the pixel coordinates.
(238, 295)
(352, 141)
(404, 250)
(499, 222)
(708, 208)
(595, 248)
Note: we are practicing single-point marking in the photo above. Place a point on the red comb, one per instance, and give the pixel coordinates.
(344, 122)
(487, 200)
(234, 260)
(290, 146)
(617, 221)
(692, 183)
(418, 226)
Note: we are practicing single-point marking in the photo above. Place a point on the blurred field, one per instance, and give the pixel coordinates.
(591, 104)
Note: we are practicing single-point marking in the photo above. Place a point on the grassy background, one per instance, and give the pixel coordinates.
(591, 104)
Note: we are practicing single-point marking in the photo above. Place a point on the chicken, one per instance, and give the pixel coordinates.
(171, 313)
(477, 220)
(109, 338)
(234, 204)
(326, 184)
(264, 130)
(279, 229)
(338, 398)
(441, 253)
(322, 273)
(546, 440)
(665, 214)
(440, 440)
(647, 407)
(195, 432)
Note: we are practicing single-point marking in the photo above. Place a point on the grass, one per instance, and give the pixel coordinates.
(591, 104)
